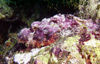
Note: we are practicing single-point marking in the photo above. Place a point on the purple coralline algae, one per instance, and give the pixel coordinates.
(61, 39)
(47, 31)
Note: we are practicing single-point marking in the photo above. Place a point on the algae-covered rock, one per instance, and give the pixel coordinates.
(91, 49)
(89, 9)
(75, 41)
(5, 10)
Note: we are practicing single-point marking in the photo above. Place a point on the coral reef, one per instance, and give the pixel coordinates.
(61, 39)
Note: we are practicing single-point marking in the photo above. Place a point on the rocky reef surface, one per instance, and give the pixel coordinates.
(61, 39)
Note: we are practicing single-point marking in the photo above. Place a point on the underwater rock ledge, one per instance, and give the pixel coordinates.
(61, 39)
